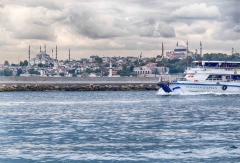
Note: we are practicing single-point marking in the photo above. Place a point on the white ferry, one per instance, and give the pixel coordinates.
(207, 76)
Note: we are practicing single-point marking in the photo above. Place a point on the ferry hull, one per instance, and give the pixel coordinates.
(205, 87)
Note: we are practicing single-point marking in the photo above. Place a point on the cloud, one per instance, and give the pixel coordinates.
(236, 28)
(165, 30)
(45, 17)
(102, 25)
(197, 11)
(194, 29)
(36, 32)
(226, 34)
(92, 25)
(53, 5)
(98, 25)
(2, 4)
(199, 30)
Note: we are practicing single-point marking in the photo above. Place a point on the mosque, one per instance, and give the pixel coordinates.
(43, 58)
(181, 52)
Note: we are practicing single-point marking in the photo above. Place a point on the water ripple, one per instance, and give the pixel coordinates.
(118, 127)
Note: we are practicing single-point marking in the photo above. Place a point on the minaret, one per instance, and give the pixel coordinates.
(201, 49)
(110, 69)
(162, 51)
(29, 56)
(45, 48)
(40, 49)
(52, 53)
(56, 52)
(177, 44)
(232, 50)
(69, 55)
(187, 49)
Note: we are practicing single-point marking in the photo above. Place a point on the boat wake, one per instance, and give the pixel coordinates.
(180, 92)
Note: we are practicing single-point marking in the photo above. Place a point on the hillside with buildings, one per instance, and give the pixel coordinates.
(43, 64)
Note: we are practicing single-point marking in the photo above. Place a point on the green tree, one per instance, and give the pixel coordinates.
(6, 63)
(25, 63)
(160, 64)
(105, 73)
(72, 71)
(32, 71)
(19, 71)
(198, 57)
(107, 65)
(7, 72)
(61, 74)
(131, 68)
(40, 65)
(152, 60)
(98, 59)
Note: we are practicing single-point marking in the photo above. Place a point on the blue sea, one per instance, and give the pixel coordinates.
(135, 126)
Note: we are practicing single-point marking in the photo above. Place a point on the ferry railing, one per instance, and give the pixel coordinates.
(206, 67)
(220, 80)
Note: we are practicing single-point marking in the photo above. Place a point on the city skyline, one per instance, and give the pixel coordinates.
(124, 28)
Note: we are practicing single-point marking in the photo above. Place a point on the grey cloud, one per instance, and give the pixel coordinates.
(45, 17)
(197, 11)
(199, 30)
(44, 3)
(87, 24)
(2, 5)
(237, 29)
(230, 11)
(36, 32)
(165, 30)
(225, 34)
(118, 24)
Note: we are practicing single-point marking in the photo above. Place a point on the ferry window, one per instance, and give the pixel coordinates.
(236, 77)
(214, 77)
(209, 77)
(182, 79)
(175, 80)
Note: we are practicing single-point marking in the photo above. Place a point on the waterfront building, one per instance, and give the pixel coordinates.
(142, 70)
(150, 68)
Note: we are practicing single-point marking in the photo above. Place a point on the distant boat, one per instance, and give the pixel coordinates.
(207, 76)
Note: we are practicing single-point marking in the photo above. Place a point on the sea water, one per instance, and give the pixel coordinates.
(118, 127)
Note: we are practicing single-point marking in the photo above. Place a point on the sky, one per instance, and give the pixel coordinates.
(116, 27)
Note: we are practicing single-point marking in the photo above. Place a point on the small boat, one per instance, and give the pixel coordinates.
(207, 76)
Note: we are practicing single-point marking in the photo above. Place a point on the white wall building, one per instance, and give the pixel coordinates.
(142, 70)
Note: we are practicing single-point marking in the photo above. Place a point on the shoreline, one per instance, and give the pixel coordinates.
(89, 87)
(9, 84)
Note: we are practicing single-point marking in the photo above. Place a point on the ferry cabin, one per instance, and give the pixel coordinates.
(207, 71)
